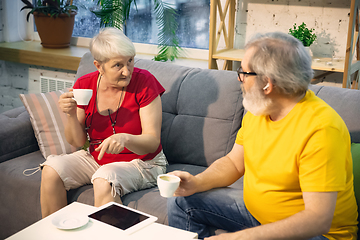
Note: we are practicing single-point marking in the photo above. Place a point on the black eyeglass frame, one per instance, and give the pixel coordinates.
(241, 73)
(98, 141)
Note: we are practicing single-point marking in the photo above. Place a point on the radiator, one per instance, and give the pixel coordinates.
(48, 84)
(42, 81)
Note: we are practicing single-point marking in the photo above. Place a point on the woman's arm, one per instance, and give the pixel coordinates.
(75, 127)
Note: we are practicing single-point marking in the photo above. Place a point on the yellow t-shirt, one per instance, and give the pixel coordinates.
(307, 151)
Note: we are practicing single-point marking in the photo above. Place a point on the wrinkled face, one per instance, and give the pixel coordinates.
(118, 71)
(255, 101)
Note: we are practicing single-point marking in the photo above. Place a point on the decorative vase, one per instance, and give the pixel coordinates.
(55, 32)
(309, 51)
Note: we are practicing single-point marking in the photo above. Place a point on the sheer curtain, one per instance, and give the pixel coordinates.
(14, 26)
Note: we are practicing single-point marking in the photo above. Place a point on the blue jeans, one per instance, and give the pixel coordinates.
(203, 213)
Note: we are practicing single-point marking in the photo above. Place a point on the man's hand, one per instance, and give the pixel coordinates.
(188, 183)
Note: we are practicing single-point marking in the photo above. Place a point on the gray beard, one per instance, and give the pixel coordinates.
(256, 102)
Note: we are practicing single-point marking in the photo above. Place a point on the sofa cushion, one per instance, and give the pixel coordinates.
(48, 122)
(20, 194)
(16, 134)
(86, 65)
(355, 151)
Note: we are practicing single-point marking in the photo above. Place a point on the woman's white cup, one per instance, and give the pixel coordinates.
(167, 184)
(82, 96)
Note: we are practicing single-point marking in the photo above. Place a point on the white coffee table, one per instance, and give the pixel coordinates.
(44, 229)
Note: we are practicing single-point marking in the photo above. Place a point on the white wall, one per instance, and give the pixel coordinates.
(1, 22)
(329, 18)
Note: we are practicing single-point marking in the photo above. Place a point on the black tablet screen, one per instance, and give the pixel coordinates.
(119, 217)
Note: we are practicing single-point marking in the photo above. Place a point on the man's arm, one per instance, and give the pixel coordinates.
(313, 221)
(221, 173)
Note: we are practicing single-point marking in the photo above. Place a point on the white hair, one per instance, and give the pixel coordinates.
(109, 43)
(282, 58)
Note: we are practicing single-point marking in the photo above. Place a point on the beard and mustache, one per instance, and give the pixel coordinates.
(255, 101)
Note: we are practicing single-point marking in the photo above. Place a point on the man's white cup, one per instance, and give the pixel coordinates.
(167, 184)
(82, 96)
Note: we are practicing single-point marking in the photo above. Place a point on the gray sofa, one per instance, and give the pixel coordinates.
(202, 112)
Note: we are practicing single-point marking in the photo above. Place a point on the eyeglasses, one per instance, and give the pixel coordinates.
(242, 74)
(95, 141)
(87, 127)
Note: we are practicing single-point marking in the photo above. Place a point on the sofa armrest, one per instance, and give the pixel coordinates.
(16, 134)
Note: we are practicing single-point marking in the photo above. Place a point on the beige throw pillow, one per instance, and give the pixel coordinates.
(48, 122)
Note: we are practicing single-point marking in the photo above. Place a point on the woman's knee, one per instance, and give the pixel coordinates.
(51, 181)
(48, 174)
(101, 186)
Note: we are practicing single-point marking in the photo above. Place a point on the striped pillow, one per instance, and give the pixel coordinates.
(48, 122)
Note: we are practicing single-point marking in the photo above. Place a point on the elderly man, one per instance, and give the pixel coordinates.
(293, 151)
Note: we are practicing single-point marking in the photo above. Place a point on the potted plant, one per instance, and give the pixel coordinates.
(304, 34)
(54, 20)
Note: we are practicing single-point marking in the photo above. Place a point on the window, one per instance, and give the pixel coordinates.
(193, 22)
(86, 23)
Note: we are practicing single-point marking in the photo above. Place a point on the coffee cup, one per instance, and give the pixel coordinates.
(82, 96)
(167, 184)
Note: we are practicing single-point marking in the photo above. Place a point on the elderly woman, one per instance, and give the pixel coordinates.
(122, 122)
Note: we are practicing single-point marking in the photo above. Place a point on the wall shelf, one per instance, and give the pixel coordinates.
(34, 54)
(226, 27)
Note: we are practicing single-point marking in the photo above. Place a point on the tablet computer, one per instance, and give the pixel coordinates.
(122, 217)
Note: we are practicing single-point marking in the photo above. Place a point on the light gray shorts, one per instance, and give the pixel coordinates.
(80, 168)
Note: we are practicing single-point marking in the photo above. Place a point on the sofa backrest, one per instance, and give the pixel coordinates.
(16, 134)
(346, 103)
(202, 111)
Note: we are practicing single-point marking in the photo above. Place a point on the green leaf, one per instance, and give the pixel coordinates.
(49, 7)
(305, 35)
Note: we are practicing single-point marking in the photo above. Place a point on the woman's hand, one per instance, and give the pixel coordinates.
(188, 183)
(67, 104)
(113, 145)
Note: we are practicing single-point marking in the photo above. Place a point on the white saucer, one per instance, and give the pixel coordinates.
(70, 221)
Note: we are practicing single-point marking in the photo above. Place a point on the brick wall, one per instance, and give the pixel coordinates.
(15, 79)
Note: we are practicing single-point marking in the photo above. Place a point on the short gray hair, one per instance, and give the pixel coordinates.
(282, 58)
(109, 43)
